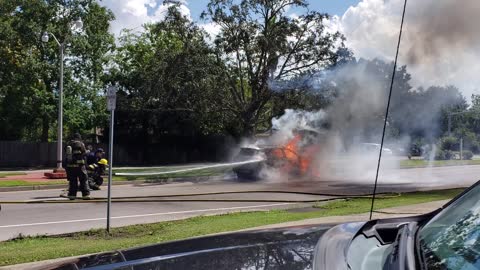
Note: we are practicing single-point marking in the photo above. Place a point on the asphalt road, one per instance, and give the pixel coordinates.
(33, 219)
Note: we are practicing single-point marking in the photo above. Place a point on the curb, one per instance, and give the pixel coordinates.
(120, 183)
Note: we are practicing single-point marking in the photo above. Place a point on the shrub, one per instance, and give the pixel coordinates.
(439, 155)
(444, 154)
(467, 155)
(475, 147)
(449, 143)
(449, 154)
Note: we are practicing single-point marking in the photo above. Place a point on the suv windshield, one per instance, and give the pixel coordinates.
(451, 239)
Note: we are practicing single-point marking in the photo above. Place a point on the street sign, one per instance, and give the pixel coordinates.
(111, 97)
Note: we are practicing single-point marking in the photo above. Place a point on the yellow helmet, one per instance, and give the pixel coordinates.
(103, 161)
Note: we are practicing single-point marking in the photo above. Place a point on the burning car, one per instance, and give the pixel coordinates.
(293, 158)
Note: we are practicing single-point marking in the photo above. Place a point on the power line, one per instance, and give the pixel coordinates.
(388, 108)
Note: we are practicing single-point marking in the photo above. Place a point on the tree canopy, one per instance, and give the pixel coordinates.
(176, 80)
(29, 69)
(171, 81)
(260, 43)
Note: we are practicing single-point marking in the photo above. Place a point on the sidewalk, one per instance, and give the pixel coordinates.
(401, 211)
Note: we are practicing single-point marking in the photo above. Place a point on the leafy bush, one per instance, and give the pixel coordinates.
(449, 154)
(444, 154)
(467, 155)
(474, 147)
(439, 155)
(449, 143)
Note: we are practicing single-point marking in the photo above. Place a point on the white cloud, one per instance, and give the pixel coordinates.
(133, 14)
(212, 29)
(161, 12)
(440, 40)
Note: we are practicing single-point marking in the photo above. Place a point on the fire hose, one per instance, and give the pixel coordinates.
(175, 198)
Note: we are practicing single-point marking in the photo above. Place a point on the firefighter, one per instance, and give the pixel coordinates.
(94, 157)
(76, 170)
(95, 172)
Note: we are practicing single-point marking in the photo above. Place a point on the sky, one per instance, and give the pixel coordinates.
(440, 42)
(334, 7)
(133, 13)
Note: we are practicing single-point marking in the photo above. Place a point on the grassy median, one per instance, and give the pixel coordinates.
(164, 173)
(421, 163)
(24, 183)
(49, 247)
(150, 179)
(3, 175)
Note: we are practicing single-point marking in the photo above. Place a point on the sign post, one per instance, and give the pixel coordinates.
(111, 104)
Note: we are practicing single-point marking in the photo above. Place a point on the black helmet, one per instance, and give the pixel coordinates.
(77, 136)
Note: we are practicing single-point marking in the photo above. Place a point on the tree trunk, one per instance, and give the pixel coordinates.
(248, 125)
(45, 129)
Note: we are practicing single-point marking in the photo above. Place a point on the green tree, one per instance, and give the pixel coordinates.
(260, 44)
(29, 68)
(170, 81)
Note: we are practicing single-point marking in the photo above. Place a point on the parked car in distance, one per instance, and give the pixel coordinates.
(374, 148)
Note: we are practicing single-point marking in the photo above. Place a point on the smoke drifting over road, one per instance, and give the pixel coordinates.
(439, 47)
(349, 129)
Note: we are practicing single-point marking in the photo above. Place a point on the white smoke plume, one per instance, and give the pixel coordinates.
(349, 129)
(440, 39)
(292, 120)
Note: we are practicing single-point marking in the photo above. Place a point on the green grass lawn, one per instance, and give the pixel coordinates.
(3, 175)
(165, 175)
(43, 247)
(418, 163)
(153, 178)
(23, 183)
(362, 205)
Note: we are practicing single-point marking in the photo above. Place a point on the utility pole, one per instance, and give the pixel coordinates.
(60, 113)
(74, 26)
(449, 125)
(461, 148)
(111, 104)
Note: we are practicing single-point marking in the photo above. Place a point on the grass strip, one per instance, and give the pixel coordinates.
(152, 179)
(24, 183)
(420, 163)
(164, 176)
(93, 241)
(154, 169)
(3, 175)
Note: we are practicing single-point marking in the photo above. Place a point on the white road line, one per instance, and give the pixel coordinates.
(144, 215)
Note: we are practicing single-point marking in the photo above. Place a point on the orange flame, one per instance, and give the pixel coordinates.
(296, 159)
